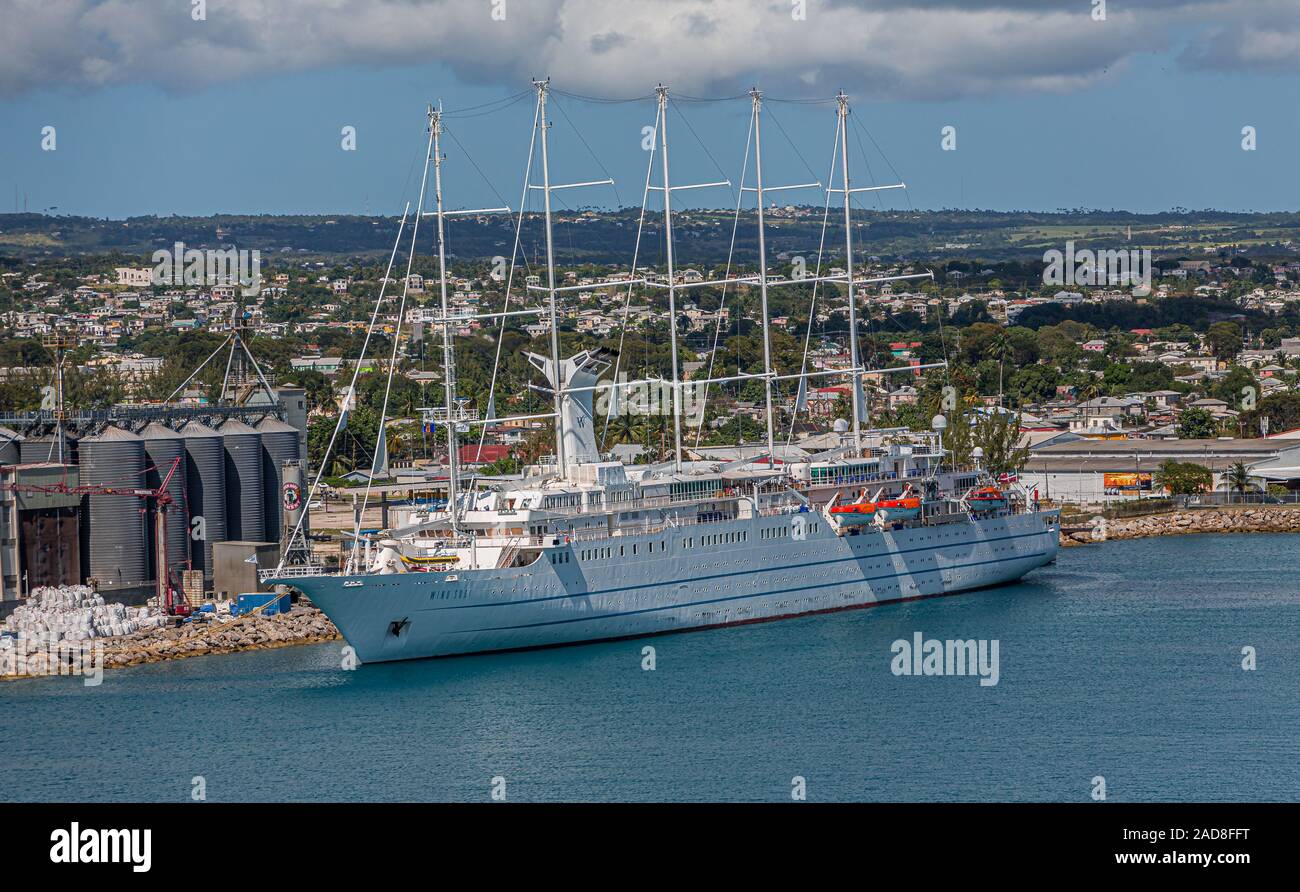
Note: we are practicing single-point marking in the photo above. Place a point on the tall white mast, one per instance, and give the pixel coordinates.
(662, 92)
(855, 364)
(542, 87)
(448, 348)
(757, 97)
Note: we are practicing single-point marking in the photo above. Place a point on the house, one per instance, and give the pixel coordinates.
(476, 456)
(135, 278)
(1217, 408)
(1160, 399)
(1113, 407)
(903, 396)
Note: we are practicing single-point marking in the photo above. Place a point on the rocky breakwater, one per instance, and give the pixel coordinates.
(1225, 519)
(302, 625)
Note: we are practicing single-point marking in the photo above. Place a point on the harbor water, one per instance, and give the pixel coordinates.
(1122, 661)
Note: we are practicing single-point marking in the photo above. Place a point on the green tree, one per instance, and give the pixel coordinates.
(1183, 478)
(958, 438)
(1197, 424)
(1238, 477)
(998, 434)
(1224, 339)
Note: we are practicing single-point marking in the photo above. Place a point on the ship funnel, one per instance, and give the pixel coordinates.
(576, 414)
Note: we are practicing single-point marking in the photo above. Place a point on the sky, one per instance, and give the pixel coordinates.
(240, 106)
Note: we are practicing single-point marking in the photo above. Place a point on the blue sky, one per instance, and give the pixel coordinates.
(1142, 111)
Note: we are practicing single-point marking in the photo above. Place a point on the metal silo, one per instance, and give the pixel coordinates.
(279, 445)
(205, 490)
(10, 443)
(36, 450)
(116, 544)
(162, 446)
(245, 500)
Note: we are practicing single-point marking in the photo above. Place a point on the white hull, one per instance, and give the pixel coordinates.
(695, 577)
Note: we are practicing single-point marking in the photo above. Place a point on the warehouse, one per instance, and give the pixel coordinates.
(1097, 471)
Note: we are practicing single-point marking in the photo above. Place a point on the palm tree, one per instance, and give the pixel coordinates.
(626, 428)
(1001, 350)
(1238, 478)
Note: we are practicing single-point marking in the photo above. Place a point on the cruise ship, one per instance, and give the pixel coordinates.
(584, 548)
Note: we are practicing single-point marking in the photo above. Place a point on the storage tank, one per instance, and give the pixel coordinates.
(205, 491)
(10, 443)
(279, 445)
(116, 545)
(245, 495)
(35, 450)
(162, 446)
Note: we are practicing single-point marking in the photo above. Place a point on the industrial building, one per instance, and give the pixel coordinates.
(79, 491)
(1097, 471)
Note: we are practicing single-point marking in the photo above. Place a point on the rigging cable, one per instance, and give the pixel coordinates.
(590, 151)
(812, 307)
(717, 328)
(350, 393)
(627, 301)
(397, 339)
(510, 277)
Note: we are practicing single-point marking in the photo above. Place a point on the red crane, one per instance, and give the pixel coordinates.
(163, 499)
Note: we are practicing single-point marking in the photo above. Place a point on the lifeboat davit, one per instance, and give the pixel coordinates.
(987, 498)
(855, 515)
(891, 510)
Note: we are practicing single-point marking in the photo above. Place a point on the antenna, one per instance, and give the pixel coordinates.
(59, 343)
(238, 362)
(238, 379)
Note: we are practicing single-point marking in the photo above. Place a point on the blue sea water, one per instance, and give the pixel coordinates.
(1122, 660)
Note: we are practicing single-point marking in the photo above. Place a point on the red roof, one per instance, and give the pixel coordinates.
(483, 455)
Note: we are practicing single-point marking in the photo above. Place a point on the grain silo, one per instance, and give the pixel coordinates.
(10, 443)
(279, 445)
(116, 543)
(205, 491)
(162, 446)
(245, 501)
(37, 450)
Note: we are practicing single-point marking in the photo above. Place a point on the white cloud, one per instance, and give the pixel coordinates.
(919, 48)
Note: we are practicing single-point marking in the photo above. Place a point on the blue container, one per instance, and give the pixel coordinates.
(250, 602)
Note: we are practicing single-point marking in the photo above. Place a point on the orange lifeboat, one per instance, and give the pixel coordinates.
(856, 514)
(908, 508)
(987, 498)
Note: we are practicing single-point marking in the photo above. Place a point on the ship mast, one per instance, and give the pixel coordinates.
(855, 364)
(448, 349)
(757, 98)
(662, 93)
(542, 87)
